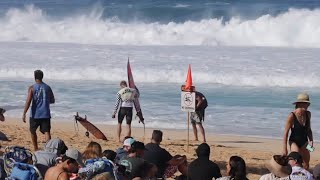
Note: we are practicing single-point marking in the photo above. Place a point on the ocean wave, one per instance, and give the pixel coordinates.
(182, 5)
(294, 28)
(152, 75)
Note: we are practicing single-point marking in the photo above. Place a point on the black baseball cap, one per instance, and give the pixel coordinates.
(138, 145)
(295, 156)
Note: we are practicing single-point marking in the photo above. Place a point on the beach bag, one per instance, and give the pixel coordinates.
(22, 171)
(17, 154)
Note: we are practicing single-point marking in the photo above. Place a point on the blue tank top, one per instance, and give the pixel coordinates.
(40, 101)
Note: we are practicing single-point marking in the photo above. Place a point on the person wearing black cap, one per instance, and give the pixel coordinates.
(133, 162)
(202, 168)
(41, 96)
(295, 160)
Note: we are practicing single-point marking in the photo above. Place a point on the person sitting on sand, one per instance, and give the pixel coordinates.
(46, 158)
(236, 169)
(123, 152)
(134, 161)
(202, 168)
(41, 96)
(183, 169)
(69, 164)
(92, 151)
(295, 161)
(279, 169)
(157, 155)
(109, 154)
(299, 123)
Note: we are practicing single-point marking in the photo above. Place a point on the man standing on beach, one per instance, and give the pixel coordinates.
(41, 96)
(125, 99)
(198, 116)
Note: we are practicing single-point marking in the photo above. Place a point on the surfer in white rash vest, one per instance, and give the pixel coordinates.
(125, 99)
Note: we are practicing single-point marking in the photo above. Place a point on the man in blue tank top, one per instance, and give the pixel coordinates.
(41, 96)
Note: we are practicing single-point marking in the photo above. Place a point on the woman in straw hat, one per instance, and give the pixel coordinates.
(279, 169)
(298, 123)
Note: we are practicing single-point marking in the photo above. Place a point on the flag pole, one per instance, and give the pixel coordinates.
(188, 88)
(188, 119)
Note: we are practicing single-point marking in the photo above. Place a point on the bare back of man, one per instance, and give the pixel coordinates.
(56, 173)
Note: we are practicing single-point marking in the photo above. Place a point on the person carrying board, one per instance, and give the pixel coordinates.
(198, 116)
(125, 100)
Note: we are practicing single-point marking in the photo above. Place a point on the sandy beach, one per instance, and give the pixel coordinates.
(255, 151)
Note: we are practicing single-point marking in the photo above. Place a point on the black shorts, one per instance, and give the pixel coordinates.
(45, 125)
(125, 112)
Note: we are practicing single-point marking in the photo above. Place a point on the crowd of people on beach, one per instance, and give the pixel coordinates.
(138, 161)
(135, 160)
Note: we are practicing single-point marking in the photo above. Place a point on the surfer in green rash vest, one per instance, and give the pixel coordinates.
(125, 100)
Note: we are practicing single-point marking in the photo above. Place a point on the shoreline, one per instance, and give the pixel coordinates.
(255, 151)
(99, 123)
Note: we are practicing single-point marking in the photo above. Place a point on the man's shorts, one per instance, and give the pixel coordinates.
(195, 118)
(125, 112)
(44, 123)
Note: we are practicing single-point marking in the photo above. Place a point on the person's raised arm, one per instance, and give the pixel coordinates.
(199, 99)
(310, 135)
(28, 102)
(288, 125)
(116, 106)
(52, 99)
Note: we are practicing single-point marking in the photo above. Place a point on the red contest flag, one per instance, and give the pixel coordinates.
(188, 85)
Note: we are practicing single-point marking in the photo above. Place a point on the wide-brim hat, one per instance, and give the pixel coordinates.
(302, 98)
(278, 165)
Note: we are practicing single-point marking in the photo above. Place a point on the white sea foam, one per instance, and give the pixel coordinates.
(234, 66)
(294, 28)
(166, 76)
(181, 5)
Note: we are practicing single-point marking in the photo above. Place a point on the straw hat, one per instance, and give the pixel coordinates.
(278, 165)
(302, 98)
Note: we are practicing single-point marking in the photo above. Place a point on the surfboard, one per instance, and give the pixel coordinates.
(132, 85)
(90, 127)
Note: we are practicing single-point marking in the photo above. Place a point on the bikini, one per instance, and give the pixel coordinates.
(299, 133)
